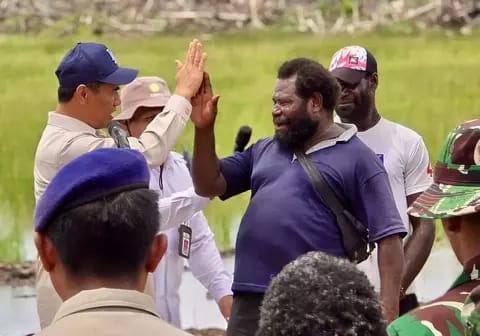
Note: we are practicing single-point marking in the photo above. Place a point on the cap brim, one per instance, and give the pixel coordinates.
(444, 201)
(121, 76)
(350, 76)
(155, 101)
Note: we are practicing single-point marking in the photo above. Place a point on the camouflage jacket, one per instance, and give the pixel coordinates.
(471, 313)
(441, 317)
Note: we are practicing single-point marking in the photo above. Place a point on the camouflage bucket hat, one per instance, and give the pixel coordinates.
(471, 313)
(456, 187)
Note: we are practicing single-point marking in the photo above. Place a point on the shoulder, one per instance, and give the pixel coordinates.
(408, 325)
(402, 133)
(175, 157)
(260, 147)
(264, 143)
(441, 316)
(356, 144)
(175, 160)
(362, 157)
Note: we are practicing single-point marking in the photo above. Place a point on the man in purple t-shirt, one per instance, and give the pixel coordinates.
(285, 218)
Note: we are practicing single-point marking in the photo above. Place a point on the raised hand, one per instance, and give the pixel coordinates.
(190, 74)
(204, 105)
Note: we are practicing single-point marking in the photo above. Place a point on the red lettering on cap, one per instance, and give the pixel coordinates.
(429, 170)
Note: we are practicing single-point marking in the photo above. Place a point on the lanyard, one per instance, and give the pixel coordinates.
(160, 182)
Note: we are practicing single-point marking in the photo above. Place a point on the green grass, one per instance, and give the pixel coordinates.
(428, 83)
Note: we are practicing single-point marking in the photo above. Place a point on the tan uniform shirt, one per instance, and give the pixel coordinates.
(66, 138)
(107, 311)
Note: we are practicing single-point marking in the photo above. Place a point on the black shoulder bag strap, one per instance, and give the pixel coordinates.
(354, 234)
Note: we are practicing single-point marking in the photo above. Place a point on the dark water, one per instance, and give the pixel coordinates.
(18, 310)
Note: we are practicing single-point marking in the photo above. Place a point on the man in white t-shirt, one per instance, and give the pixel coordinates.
(401, 150)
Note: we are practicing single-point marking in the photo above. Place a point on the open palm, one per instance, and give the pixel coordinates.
(204, 105)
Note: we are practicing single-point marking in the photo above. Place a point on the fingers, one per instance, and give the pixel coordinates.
(208, 83)
(203, 60)
(203, 87)
(196, 56)
(178, 64)
(212, 104)
(214, 101)
(192, 47)
(198, 53)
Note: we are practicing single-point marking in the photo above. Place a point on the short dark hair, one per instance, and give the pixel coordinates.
(320, 295)
(311, 77)
(107, 238)
(66, 94)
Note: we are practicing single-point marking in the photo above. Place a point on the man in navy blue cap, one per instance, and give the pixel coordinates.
(96, 234)
(89, 79)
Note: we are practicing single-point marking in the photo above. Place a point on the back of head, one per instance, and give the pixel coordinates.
(99, 214)
(318, 295)
(311, 77)
(108, 238)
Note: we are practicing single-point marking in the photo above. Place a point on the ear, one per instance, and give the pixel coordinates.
(316, 101)
(81, 92)
(157, 250)
(46, 251)
(373, 81)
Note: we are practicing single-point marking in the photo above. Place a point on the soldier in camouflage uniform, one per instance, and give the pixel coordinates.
(471, 313)
(455, 199)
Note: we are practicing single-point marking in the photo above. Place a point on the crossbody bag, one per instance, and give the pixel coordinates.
(355, 235)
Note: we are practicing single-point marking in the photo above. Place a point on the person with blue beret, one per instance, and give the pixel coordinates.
(96, 234)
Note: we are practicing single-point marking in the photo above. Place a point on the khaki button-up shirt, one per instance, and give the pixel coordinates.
(108, 311)
(66, 138)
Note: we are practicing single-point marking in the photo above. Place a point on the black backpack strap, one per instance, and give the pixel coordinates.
(354, 234)
(321, 186)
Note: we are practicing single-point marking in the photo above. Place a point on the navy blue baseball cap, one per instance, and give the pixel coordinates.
(92, 62)
(90, 177)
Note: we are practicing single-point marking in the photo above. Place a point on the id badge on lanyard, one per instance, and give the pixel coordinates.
(184, 241)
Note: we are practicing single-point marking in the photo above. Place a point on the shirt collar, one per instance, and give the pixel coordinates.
(106, 297)
(349, 131)
(71, 124)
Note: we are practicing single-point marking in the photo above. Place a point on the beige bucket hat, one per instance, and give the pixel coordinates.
(143, 92)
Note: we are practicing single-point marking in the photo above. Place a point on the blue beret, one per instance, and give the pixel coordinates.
(90, 177)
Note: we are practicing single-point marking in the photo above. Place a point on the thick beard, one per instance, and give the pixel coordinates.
(300, 130)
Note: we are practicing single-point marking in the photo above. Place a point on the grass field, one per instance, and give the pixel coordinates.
(428, 83)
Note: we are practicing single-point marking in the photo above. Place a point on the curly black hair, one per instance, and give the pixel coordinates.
(311, 77)
(320, 295)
